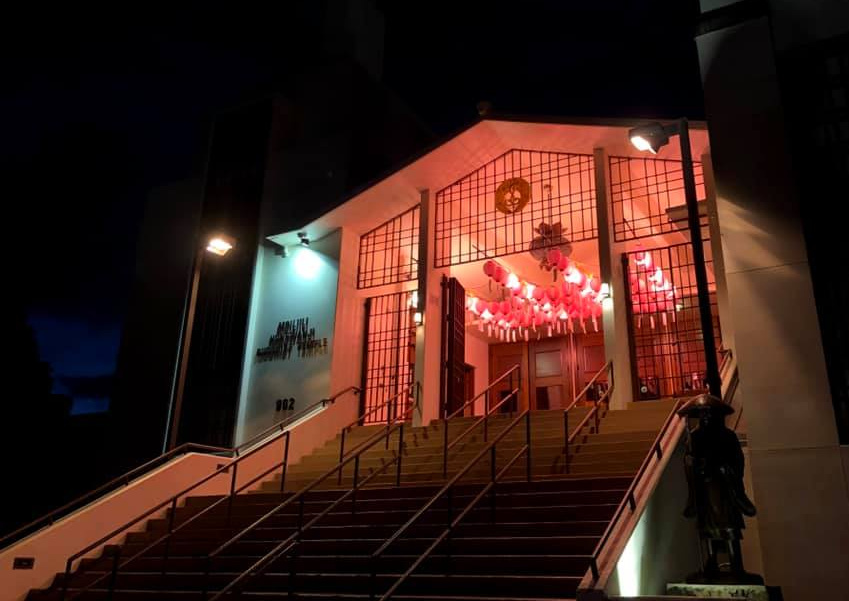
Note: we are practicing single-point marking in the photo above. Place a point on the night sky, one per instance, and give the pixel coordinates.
(99, 105)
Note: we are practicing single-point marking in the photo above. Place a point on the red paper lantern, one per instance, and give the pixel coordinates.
(489, 268)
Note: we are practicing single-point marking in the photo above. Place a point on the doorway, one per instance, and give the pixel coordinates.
(553, 369)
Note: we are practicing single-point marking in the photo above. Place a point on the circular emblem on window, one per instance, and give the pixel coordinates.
(512, 195)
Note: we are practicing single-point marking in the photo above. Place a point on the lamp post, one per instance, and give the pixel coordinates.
(220, 245)
(652, 137)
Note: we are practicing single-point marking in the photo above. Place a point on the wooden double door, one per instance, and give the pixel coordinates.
(553, 370)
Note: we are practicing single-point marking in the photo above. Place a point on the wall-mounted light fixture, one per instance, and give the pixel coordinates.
(418, 318)
(604, 291)
(304, 240)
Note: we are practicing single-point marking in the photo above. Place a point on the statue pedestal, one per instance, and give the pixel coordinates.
(754, 592)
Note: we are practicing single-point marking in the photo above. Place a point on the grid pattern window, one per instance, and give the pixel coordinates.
(668, 351)
(521, 200)
(647, 196)
(390, 252)
(390, 356)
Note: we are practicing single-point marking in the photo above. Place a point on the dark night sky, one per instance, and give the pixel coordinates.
(98, 105)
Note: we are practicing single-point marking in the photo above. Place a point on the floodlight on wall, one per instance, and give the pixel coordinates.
(652, 136)
(418, 318)
(220, 244)
(304, 240)
(604, 291)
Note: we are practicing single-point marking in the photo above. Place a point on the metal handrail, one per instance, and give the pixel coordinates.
(594, 412)
(50, 518)
(126, 478)
(490, 450)
(288, 420)
(629, 499)
(484, 419)
(388, 404)
(172, 504)
(486, 390)
(295, 538)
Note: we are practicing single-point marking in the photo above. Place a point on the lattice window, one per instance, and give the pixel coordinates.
(667, 329)
(648, 196)
(390, 252)
(390, 354)
(469, 226)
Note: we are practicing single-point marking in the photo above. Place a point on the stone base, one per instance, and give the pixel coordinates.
(755, 592)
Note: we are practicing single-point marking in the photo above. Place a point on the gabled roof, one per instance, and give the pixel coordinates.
(462, 153)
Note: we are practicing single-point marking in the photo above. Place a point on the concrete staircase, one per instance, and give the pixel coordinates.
(533, 543)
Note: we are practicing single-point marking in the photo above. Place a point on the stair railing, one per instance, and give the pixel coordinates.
(630, 500)
(125, 479)
(390, 405)
(292, 541)
(593, 413)
(730, 380)
(516, 371)
(171, 503)
(447, 491)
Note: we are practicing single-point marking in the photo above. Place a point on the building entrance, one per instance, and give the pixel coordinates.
(553, 370)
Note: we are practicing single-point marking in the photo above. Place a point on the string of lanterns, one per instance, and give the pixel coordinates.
(528, 309)
(531, 309)
(651, 291)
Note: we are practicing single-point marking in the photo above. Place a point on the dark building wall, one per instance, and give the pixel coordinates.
(151, 331)
(274, 165)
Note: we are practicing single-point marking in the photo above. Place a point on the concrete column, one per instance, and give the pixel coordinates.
(797, 476)
(429, 334)
(726, 321)
(614, 310)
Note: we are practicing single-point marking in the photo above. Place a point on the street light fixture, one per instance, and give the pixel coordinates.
(216, 244)
(220, 244)
(652, 137)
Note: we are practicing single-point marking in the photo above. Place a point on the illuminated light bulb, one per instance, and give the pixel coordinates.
(529, 291)
(513, 281)
(486, 314)
(641, 144)
(645, 261)
(219, 246)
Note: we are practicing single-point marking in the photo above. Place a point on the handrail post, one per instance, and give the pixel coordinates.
(510, 404)
(445, 447)
(341, 455)
(68, 565)
(114, 578)
(356, 481)
(400, 455)
(528, 442)
(172, 513)
(232, 492)
(288, 435)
